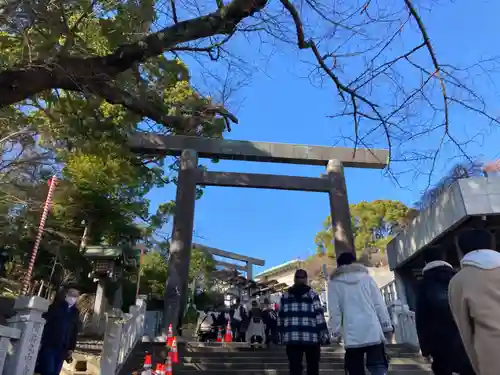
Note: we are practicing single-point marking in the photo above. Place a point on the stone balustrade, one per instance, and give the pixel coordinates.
(123, 332)
(20, 340)
(389, 292)
(403, 319)
(8, 336)
(405, 328)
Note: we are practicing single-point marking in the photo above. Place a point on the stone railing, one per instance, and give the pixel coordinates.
(20, 341)
(389, 292)
(153, 325)
(405, 329)
(123, 332)
(8, 337)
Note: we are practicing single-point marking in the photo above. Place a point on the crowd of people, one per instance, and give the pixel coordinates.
(456, 314)
(455, 317)
(255, 323)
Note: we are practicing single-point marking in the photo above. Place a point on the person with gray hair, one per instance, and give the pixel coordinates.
(59, 334)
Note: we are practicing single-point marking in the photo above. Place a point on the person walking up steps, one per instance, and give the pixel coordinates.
(474, 295)
(302, 325)
(437, 332)
(358, 312)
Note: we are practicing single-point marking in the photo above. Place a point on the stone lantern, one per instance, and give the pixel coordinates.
(108, 264)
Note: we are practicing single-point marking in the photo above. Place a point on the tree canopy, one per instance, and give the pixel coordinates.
(154, 271)
(78, 77)
(101, 186)
(373, 223)
(93, 63)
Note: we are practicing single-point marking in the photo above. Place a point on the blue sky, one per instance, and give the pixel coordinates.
(278, 105)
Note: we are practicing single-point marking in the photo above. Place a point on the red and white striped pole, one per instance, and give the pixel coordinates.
(46, 209)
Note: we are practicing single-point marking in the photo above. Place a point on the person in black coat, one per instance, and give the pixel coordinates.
(59, 334)
(438, 334)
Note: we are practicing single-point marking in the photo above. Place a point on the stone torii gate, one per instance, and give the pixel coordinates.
(191, 148)
(249, 261)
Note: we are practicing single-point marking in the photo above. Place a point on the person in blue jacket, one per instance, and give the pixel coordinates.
(59, 334)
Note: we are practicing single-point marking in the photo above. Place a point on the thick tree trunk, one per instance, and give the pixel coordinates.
(182, 238)
(93, 74)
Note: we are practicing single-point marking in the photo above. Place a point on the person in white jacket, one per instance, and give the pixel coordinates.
(358, 313)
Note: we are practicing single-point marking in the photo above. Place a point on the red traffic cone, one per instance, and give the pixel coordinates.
(228, 337)
(170, 335)
(174, 354)
(147, 362)
(158, 369)
(168, 368)
(219, 335)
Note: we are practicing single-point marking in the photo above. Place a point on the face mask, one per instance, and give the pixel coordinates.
(71, 301)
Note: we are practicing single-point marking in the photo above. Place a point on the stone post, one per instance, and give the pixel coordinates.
(99, 307)
(6, 335)
(181, 242)
(29, 321)
(112, 341)
(339, 209)
(249, 271)
(118, 297)
(399, 281)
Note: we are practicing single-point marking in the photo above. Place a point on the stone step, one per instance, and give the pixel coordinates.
(276, 353)
(283, 366)
(238, 359)
(259, 361)
(244, 347)
(286, 372)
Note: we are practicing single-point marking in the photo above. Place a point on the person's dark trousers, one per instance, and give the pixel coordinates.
(440, 368)
(451, 359)
(235, 328)
(295, 353)
(376, 360)
(50, 361)
(445, 366)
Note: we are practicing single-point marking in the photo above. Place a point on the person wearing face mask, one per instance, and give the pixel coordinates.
(59, 334)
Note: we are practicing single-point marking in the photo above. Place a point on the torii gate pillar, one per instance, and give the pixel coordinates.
(339, 208)
(182, 238)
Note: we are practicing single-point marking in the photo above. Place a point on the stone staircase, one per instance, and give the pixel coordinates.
(238, 359)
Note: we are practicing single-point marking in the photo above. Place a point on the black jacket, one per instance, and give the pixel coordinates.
(437, 332)
(61, 327)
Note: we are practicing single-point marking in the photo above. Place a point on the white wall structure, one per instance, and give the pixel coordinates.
(285, 272)
(381, 275)
(475, 196)
(282, 273)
